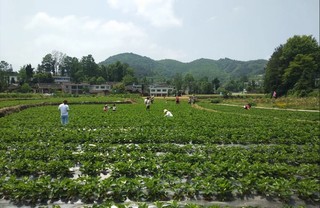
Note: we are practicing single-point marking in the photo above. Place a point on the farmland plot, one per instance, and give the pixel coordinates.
(140, 156)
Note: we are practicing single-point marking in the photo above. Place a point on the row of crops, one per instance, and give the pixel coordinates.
(132, 154)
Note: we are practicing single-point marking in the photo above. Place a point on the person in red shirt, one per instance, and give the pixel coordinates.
(177, 100)
(247, 106)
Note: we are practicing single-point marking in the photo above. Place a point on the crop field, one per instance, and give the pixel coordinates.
(206, 155)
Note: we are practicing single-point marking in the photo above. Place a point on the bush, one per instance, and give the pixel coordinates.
(217, 100)
(314, 93)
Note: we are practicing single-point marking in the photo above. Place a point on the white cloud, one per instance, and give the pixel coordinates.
(81, 27)
(159, 13)
(237, 9)
(80, 36)
(213, 18)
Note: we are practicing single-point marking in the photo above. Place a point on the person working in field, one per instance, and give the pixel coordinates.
(64, 108)
(274, 94)
(247, 106)
(114, 108)
(105, 108)
(167, 113)
(147, 102)
(177, 100)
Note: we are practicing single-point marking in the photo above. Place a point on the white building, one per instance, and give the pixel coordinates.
(103, 88)
(160, 90)
(82, 88)
(13, 79)
(61, 80)
(73, 88)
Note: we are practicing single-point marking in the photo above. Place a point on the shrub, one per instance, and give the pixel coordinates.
(217, 100)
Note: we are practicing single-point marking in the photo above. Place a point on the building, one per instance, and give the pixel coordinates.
(134, 88)
(58, 79)
(83, 88)
(73, 88)
(102, 88)
(13, 79)
(160, 90)
(47, 88)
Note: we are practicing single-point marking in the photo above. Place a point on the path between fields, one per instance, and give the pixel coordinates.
(267, 108)
(202, 108)
(211, 110)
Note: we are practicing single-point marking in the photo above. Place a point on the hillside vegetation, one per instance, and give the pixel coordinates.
(221, 69)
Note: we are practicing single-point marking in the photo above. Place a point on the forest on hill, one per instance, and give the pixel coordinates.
(223, 69)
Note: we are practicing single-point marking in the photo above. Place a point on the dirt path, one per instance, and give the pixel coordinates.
(301, 110)
(267, 108)
(202, 108)
(285, 109)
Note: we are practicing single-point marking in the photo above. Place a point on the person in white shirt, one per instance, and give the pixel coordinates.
(114, 108)
(64, 108)
(147, 102)
(167, 113)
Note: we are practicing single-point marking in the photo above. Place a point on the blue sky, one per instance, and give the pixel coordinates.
(184, 30)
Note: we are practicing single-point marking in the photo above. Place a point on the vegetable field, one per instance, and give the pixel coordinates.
(209, 154)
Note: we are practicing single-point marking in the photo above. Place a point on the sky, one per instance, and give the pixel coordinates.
(184, 30)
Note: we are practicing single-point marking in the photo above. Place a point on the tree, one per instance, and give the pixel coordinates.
(177, 81)
(25, 74)
(93, 80)
(58, 58)
(118, 88)
(5, 69)
(216, 84)
(205, 87)
(43, 77)
(301, 73)
(234, 85)
(189, 83)
(252, 86)
(128, 79)
(88, 66)
(104, 72)
(101, 80)
(115, 72)
(48, 64)
(274, 71)
(4, 66)
(29, 72)
(288, 63)
(22, 75)
(73, 68)
(25, 88)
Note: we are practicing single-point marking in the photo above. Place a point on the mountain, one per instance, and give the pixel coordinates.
(167, 68)
(142, 65)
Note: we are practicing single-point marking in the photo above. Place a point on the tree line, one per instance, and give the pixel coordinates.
(294, 68)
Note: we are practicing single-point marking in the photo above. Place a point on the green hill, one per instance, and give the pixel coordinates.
(167, 68)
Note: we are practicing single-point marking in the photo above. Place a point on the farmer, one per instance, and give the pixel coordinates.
(177, 100)
(114, 108)
(167, 113)
(247, 106)
(64, 108)
(106, 107)
(147, 102)
(274, 94)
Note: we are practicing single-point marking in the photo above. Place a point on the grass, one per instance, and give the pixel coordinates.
(307, 103)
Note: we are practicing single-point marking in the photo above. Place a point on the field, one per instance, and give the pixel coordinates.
(206, 155)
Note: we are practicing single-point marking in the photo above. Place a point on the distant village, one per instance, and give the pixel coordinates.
(63, 84)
